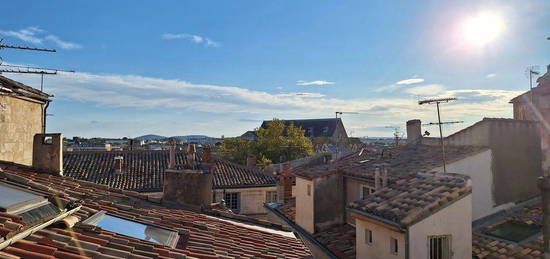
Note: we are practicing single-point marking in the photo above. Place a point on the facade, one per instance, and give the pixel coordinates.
(534, 105)
(22, 115)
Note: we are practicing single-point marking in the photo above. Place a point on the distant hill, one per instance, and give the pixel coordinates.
(150, 137)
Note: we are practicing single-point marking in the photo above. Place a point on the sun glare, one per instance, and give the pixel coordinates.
(482, 28)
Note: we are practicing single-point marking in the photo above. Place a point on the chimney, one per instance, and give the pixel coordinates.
(284, 184)
(544, 185)
(187, 188)
(385, 177)
(414, 131)
(47, 153)
(377, 179)
(172, 158)
(119, 161)
(191, 155)
(251, 161)
(207, 155)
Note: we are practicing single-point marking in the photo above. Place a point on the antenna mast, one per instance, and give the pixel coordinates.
(437, 102)
(340, 113)
(531, 70)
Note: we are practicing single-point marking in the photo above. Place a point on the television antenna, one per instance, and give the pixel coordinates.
(439, 123)
(340, 113)
(397, 134)
(530, 71)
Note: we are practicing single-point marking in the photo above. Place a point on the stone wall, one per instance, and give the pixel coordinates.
(20, 120)
(189, 188)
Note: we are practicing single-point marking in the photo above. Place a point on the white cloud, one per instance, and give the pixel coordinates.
(317, 82)
(427, 90)
(193, 38)
(36, 35)
(491, 75)
(410, 81)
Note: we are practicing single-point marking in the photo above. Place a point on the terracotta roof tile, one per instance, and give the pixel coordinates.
(201, 236)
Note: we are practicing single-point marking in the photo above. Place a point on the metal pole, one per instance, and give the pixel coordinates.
(441, 139)
(42, 82)
(531, 84)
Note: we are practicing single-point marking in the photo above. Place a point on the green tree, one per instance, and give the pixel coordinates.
(276, 144)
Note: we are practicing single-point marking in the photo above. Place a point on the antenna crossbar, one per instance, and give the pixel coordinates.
(4, 46)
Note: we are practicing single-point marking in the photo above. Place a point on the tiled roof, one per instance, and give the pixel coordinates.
(231, 175)
(414, 197)
(339, 240)
(487, 246)
(400, 161)
(200, 236)
(21, 89)
(321, 127)
(143, 170)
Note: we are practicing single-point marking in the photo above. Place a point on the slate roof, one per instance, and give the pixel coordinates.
(414, 197)
(200, 236)
(143, 170)
(400, 161)
(321, 127)
(18, 88)
(486, 246)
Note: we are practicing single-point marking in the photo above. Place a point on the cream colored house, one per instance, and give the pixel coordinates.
(423, 216)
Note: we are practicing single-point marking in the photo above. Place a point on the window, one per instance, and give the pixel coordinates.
(134, 229)
(308, 190)
(32, 207)
(440, 247)
(513, 230)
(232, 201)
(394, 246)
(325, 131)
(309, 132)
(365, 191)
(271, 196)
(368, 236)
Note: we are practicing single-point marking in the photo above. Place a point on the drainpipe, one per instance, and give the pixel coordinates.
(544, 185)
(45, 114)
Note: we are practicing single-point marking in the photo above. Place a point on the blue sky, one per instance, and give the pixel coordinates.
(220, 67)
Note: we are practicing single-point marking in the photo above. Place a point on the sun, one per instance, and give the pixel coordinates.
(483, 28)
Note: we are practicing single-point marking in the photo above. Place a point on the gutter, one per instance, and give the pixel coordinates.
(389, 222)
(39, 227)
(301, 232)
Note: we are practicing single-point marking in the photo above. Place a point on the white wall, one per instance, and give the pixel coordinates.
(454, 220)
(380, 247)
(478, 168)
(252, 199)
(304, 204)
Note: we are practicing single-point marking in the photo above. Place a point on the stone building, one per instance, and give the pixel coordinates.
(534, 105)
(22, 115)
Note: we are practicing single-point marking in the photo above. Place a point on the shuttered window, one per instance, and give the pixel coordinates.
(440, 247)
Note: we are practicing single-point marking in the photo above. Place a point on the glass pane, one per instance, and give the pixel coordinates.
(135, 229)
(13, 196)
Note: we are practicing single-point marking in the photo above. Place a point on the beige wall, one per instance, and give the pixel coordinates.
(478, 168)
(252, 199)
(20, 120)
(454, 220)
(380, 247)
(304, 204)
(353, 193)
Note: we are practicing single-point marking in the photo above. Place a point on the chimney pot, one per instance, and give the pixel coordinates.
(118, 164)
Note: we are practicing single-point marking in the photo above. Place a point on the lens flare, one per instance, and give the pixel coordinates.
(482, 28)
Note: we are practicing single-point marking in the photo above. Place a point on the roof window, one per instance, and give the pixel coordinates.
(134, 229)
(30, 206)
(514, 230)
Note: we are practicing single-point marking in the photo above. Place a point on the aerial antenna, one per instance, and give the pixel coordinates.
(530, 71)
(340, 113)
(4, 46)
(437, 102)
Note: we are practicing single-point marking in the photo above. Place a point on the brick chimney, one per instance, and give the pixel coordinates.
(251, 161)
(377, 179)
(284, 184)
(191, 155)
(414, 131)
(207, 155)
(187, 188)
(119, 164)
(172, 157)
(47, 153)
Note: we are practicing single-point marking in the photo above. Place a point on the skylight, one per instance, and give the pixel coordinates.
(134, 229)
(15, 200)
(514, 230)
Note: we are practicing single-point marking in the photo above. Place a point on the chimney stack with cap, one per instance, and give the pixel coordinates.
(172, 158)
(119, 161)
(414, 131)
(377, 181)
(47, 153)
(251, 160)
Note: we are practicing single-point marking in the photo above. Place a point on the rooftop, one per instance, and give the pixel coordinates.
(143, 170)
(200, 236)
(414, 197)
(11, 86)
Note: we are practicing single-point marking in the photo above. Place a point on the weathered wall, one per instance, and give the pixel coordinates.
(252, 199)
(478, 168)
(353, 193)
(380, 247)
(329, 201)
(454, 220)
(20, 120)
(517, 160)
(48, 153)
(304, 204)
(188, 187)
(475, 135)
